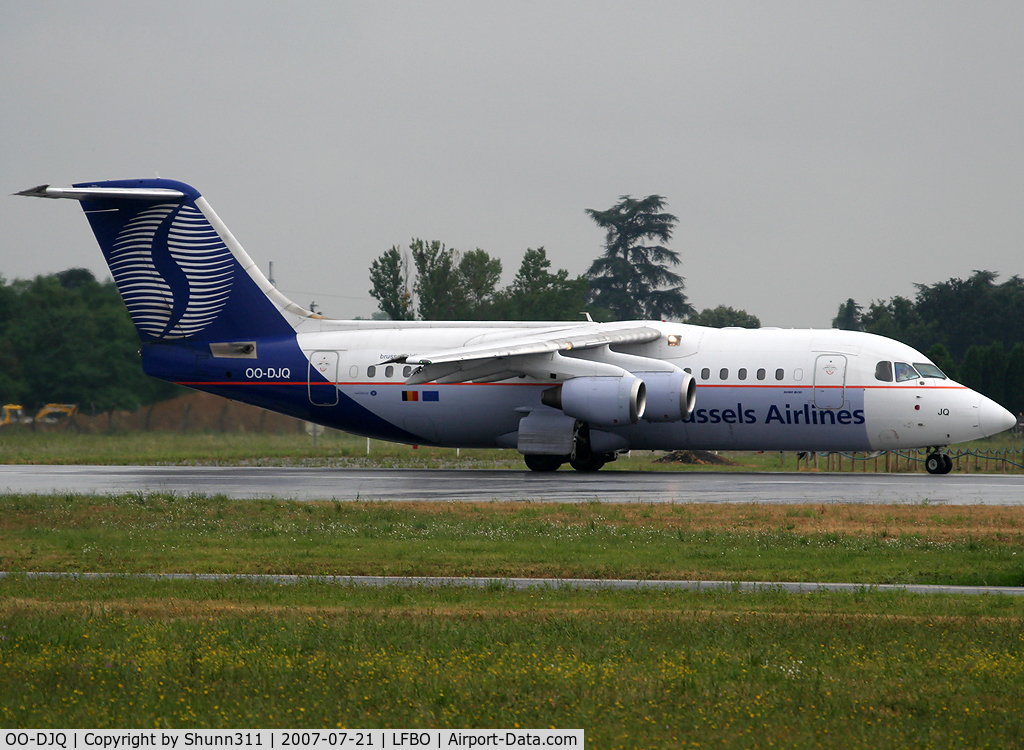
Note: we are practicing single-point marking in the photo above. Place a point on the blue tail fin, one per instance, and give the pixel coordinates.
(181, 273)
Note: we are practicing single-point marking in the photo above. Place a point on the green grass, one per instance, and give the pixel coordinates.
(338, 449)
(333, 448)
(634, 669)
(197, 534)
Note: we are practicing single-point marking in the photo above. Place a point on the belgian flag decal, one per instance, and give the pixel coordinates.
(420, 396)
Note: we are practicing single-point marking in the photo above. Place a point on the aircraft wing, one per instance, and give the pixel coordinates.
(517, 354)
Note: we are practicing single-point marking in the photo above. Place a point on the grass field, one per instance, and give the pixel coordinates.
(645, 669)
(338, 449)
(637, 669)
(847, 543)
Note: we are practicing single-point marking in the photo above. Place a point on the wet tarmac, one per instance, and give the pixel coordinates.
(497, 485)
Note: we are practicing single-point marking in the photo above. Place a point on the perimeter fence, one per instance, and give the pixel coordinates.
(1001, 460)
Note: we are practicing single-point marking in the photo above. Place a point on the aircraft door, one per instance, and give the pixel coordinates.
(323, 364)
(830, 381)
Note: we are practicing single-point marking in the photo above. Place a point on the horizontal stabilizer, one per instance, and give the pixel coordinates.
(100, 193)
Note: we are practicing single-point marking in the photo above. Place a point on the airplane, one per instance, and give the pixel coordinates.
(558, 392)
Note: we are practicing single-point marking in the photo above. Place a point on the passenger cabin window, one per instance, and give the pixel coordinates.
(905, 372)
(883, 371)
(742, 373)
(780, 374)
(407, 371)
(389, 371)
(371, 371)
(705, 373)
(723, 374)
(761, 373)
(928, 370)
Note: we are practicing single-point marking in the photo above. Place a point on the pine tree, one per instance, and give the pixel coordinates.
(628, 278)
(849, 317)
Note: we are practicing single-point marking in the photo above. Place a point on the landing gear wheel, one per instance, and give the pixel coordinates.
(938, 463)
(594, 462)
(538, 462)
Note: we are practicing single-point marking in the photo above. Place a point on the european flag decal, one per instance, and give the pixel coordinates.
(430, 395)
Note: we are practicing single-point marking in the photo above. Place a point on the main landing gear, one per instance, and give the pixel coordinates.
(582, 458)
(552, 463)
(938, 463)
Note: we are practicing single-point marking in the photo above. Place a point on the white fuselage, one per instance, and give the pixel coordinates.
(764, 389)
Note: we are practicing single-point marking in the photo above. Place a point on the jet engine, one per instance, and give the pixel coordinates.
(606, 401)
(671, 396)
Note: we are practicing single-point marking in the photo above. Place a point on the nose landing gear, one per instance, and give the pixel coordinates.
(938, 463)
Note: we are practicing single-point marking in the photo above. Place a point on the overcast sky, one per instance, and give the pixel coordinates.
(813, 151)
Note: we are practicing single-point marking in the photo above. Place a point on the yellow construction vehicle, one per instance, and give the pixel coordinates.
(49, 414)
(53, 413)
(12, 414)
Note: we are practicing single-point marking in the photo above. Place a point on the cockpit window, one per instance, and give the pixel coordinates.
(883, 371)
(905, 372)
(928, 370)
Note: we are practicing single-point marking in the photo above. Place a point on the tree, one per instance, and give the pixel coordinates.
(898, 319)
(1015, 379)
(972, 368)
(389, 275)
(450, 286)
(848, 317)
(438, 292)
(68, 338)
(724, 317)
(628, 277)
(971, 311)
(11, 379)
(478, 275)
(966, 317)
(939, 355)
(453, 286)
(993, 362)
(537, 294)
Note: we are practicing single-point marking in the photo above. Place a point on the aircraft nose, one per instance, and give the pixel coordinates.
(993, 418)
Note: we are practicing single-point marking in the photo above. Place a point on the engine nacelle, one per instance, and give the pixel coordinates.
(606, 401)
(671, 396)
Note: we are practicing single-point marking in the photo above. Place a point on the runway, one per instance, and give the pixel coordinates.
(489, 486)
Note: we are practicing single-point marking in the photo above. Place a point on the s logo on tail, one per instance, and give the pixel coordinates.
(173, 271)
